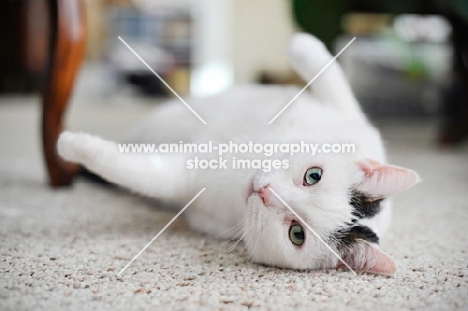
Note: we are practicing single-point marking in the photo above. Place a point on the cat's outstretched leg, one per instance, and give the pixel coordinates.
(308, 56)
(156, 175)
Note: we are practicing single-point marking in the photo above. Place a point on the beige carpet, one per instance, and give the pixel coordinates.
(60, 249)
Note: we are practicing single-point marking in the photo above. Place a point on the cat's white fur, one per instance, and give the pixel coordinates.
(327, 113)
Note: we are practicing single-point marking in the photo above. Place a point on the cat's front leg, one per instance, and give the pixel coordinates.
(155, 175)
(81, 148)
(309, 57)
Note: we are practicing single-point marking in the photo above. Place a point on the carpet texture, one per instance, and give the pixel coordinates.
(61, 249)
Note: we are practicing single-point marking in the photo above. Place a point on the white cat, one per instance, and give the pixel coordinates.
(343, 197)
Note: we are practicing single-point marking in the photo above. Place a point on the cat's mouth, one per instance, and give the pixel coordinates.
(263, 193)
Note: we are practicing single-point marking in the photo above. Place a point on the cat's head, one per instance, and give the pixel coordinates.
(343, 200)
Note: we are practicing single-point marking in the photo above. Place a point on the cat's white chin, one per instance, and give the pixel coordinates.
(249, 190)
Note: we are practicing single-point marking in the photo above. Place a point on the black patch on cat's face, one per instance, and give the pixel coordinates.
(364, 206)
(346, 237)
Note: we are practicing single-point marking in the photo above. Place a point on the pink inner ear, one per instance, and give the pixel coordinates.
(383, 180)
(366, 257)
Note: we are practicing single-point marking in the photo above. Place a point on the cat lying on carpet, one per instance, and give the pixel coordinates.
(343, 197)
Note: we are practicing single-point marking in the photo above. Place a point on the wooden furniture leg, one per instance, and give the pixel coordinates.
(67, 46)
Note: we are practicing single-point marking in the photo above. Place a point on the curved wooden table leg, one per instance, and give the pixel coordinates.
(68, 27)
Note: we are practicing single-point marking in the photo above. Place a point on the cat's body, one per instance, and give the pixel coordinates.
(344, 206)
(242, 115)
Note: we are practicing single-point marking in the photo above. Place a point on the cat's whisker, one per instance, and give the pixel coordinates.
(259, 229)
(253, 249)
(243, 249)
(229, 240)
(249, 241)
(240, 130)
(244, 122)
(218, 248)
(232, 228)
(239, 227)
(252, 216)
(252, 127)
(235, 244)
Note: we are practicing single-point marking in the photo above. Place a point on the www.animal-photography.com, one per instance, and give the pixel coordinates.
(233, 155)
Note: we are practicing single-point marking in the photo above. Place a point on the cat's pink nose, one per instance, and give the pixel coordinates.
(265, 194)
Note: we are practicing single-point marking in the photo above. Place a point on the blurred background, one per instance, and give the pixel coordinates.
(408, 66)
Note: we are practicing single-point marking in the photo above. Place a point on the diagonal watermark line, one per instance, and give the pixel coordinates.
(160, 232)
(308, 84)
(162, 80)
(313, 231)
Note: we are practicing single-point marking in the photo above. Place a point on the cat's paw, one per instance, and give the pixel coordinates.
(302, 40)
(304, 46)
(77, 147)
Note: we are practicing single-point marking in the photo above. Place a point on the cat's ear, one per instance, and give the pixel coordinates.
(383, 180)
(367, 257)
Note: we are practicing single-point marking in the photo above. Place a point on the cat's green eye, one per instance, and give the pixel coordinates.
(296, 234)
(312, 176)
